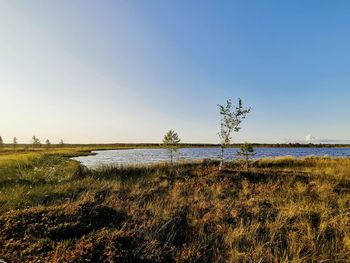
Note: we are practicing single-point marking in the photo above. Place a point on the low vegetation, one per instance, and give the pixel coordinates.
(281, 210)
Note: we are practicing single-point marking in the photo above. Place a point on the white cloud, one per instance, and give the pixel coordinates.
(310, 138)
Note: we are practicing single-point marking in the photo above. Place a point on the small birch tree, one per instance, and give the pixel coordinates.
(36, 141)
(231, 119)
(15, 142)
(171, 142)
(246, 151)
(47, 143)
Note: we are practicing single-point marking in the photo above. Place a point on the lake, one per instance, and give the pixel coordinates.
(149, 156)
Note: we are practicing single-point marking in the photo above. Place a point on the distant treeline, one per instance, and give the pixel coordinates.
(300, 145)
(184, 145)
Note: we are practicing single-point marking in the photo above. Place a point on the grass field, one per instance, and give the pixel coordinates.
(281, 210)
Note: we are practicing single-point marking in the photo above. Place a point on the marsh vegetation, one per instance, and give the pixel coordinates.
(280, 210)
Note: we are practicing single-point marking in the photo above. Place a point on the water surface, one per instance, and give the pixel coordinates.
(149, 156)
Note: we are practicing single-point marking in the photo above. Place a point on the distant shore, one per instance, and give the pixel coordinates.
(118, 146)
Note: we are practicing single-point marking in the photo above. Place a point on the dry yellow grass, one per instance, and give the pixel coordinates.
(281, 210)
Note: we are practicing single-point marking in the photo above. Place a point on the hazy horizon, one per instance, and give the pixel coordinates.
(128, 71)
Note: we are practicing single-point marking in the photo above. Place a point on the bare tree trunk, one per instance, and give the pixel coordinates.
(222, 158)
(171, 155)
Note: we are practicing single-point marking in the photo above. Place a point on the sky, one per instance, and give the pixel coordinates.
(127, 71)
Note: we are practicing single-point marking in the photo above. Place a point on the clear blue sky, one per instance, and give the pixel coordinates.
(127, 71)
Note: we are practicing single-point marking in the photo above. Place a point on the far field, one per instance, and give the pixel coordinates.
(52, 209)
